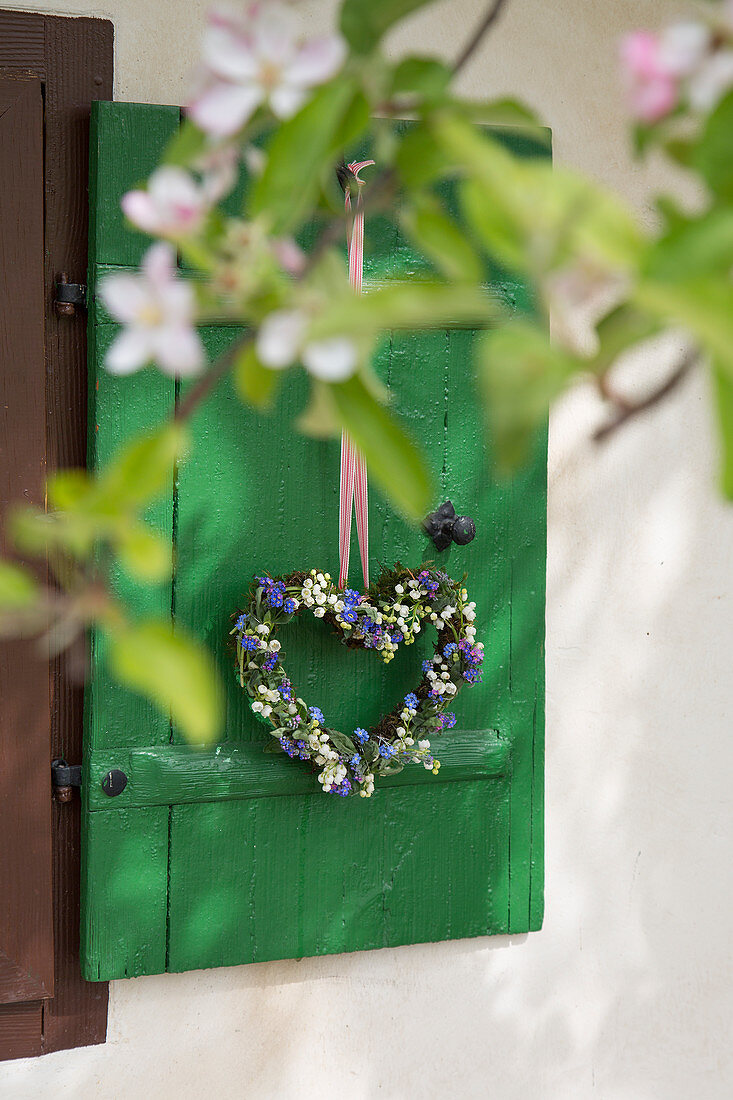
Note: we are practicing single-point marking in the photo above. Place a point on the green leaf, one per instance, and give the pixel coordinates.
(301, 150)
(703, 304)
(699, 246)
(723, 388)
(342, 743)
(363, 22)
(255, 383)
(186, 145)
(18, 589)
(143, 553)
(422, 76)
(438, 236)
(406, 305)
(175, 671)
(67, 489)
(520, 373)
(319, 419)
(556, 215)
(392, 459)
(142, 469)
(505, 112)
(495, 227)
(618, 331)
(419, 159)
(714, 154)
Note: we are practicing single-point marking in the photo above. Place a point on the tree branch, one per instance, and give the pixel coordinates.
(206, 383)
(472, 45)
(626, 410)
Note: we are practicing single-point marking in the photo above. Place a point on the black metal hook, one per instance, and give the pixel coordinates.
(444, 526)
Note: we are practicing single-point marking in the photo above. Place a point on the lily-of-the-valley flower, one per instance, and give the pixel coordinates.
(282, 340)
(255, 56)
(157, 309)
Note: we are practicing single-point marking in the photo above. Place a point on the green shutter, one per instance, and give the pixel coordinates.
(230, 855)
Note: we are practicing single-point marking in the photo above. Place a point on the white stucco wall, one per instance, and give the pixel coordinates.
(626, 992)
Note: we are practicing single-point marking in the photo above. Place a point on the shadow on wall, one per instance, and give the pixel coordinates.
(623, 992)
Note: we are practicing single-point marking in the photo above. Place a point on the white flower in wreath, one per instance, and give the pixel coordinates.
(256, 56)
(282, 341)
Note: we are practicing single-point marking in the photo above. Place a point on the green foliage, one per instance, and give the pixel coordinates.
(255, 384)
(302, 149)
(723, 384)
(440, 238)
(420, 77)
(386, 447)
(417, 304)
(520, 373)
(187, 143)
(712, 156)
(173, 670)
(363, 22)
(18, 589)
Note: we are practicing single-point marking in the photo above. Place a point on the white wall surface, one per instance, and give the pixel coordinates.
(626, 992)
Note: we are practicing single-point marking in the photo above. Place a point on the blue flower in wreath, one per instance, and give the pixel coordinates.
(355, 760)
(241, 622)
(427, 665)
(349, 615)
(361, 735)
(249, 642)
(289, 606)
(449, 649)
(351, 597)
(449, 720)
(411, 700)
(386, 751)
(316, 714)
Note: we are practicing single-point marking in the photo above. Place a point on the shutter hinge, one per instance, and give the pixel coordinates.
(64, 777)
(69, 296)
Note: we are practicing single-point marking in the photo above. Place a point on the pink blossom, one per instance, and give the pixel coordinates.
(255, 56)
(176, 203)
(157, 310)
(652, 86)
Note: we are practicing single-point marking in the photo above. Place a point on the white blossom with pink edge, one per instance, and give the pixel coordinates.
(254, 56)
(281, 341)
(157, 310)
(176, 203)
(653, 88)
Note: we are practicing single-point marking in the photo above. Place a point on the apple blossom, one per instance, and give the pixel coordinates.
(281, 341)
(255, 56)
(711, 82)
(157, 310)
(652, 85)
(176, 202)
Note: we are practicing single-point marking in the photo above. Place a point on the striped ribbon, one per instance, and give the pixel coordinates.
(353, 487)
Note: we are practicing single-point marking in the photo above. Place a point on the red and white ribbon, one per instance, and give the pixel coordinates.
(353, 465)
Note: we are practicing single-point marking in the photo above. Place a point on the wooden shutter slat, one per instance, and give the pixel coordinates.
(26, 915)
(174, 774)
(125, 852)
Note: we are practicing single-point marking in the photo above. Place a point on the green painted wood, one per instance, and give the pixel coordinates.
(260, 864)
(173, 774)
(125, 853)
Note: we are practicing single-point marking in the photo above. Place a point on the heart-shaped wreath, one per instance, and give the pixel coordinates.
(388, 615)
